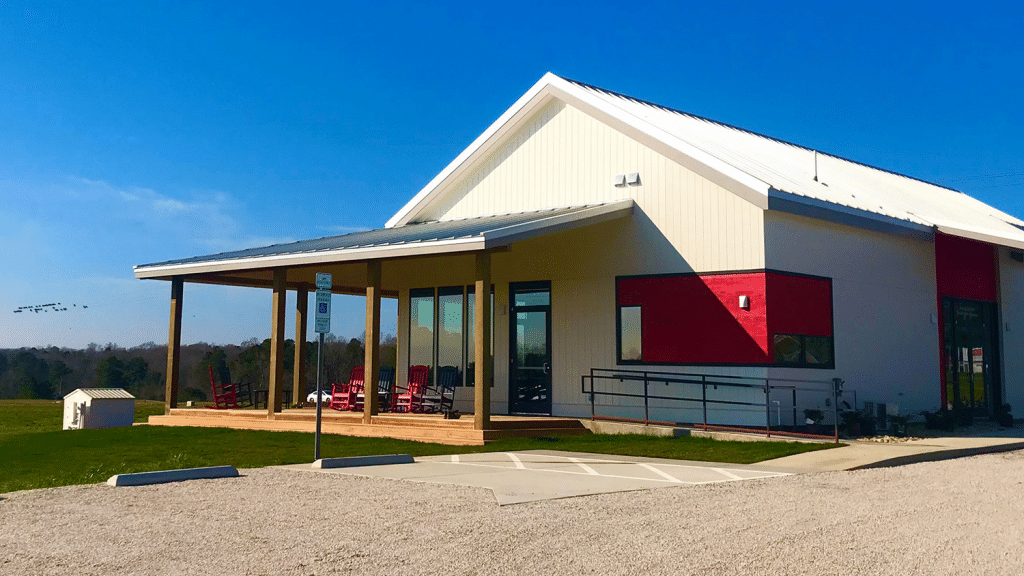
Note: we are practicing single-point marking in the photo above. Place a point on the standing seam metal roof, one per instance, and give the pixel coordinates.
(790, 168)
(401, 235)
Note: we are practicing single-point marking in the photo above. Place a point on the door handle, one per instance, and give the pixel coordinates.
(547, 368)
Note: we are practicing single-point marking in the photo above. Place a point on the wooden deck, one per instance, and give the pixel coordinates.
(418, 427)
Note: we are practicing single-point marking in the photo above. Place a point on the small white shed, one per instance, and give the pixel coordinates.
(98, 408)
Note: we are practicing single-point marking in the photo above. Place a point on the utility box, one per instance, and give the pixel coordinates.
(98, 408)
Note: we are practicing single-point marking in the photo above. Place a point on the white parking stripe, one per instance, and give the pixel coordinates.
(516, 460)
(455, 458)
(589, 470)
(664, 475)
(727, 473)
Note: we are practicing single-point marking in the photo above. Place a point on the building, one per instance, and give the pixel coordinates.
(618, 234)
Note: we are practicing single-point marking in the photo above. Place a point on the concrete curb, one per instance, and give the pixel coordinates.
(353, 461)
(164, 476)
(938, 455)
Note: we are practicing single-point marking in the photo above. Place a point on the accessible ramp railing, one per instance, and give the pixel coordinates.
(800, 408)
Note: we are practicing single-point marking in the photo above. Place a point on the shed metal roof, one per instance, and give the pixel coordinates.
(103, 393)
(467, 234)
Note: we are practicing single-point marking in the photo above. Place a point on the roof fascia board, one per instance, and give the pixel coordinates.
(506, 123)
(320, 257)
(583, 217)
(803, 206)
(981, 236)
(690, 157)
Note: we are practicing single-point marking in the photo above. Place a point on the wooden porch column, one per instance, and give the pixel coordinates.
(277, 344)
(371, 360)
(174, 345)
(299, 372)
(482, 344)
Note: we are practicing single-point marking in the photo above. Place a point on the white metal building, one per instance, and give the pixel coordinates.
(98, 408)
(619, 234)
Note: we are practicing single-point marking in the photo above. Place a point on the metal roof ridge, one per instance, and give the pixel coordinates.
(753, 133)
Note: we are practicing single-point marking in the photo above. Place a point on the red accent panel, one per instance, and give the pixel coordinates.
(965, 268)
(697, 319)
(799, 305)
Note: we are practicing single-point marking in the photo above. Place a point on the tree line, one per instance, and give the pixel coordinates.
(50, 373)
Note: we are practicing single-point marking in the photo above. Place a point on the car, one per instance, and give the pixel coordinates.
(325, 396)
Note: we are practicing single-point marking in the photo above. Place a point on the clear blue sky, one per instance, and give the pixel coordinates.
(135, 132)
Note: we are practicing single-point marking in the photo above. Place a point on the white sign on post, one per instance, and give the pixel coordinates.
(322, 322)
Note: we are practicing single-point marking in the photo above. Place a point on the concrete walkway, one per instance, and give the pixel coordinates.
(857, 455)
(535, 475)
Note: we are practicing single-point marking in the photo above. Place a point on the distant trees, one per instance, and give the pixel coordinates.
(48, 373)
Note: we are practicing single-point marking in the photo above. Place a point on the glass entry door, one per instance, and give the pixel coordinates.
(530, 353)
(970, 356)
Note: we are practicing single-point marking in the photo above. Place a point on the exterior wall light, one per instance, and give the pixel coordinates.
(745, 302)
(620, 179)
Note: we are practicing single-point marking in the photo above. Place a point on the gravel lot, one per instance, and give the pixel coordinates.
(956, 517)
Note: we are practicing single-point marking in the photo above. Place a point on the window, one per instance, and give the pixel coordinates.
(471, 333)
(421, 328)
(630, 343)
(450, 329)
(441, 330)
(802, 350)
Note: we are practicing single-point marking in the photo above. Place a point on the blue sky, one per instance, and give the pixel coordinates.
(135, 132)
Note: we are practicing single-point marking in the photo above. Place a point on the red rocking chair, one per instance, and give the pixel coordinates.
(346, 396)
(229, 395)
(413, 397)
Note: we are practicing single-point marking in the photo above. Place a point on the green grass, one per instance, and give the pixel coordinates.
(31, 416)
(35, 453)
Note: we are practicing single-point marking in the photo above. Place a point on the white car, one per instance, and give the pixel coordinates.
(325, 396)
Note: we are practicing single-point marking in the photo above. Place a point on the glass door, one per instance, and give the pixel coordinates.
(971, 359)
(530, 353)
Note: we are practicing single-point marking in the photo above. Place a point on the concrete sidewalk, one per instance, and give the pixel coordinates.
(858, 455)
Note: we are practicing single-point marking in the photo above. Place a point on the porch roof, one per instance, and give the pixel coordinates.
(428, 238)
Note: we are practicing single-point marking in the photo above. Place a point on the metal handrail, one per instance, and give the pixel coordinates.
(766, 385)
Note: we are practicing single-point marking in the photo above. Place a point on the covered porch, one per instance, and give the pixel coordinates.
(391, 262)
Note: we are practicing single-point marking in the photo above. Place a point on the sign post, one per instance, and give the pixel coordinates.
(322, 323)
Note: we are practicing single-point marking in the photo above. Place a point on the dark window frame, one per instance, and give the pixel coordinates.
(803, 363)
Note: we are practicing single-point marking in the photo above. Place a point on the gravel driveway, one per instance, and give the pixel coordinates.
(956, 517)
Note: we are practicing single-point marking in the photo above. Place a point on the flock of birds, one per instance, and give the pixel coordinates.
(58, 307)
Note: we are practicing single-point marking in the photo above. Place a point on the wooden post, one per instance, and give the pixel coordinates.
(299, 372)
(482, 344)
(174, 345)
(371, 360)
(277, 344)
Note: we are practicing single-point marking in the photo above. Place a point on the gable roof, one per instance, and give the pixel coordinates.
(102, 393)
(768, 172)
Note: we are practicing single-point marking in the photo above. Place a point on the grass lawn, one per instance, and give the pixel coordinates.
(35, 453)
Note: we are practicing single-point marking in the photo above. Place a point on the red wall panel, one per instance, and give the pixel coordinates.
(697, 319)
(965, 268)
(799, 305)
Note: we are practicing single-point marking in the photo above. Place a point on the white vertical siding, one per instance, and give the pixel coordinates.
(884, 302)
(1011, 297)
(563, 157)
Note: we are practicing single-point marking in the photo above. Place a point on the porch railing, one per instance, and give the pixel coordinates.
(686, 390)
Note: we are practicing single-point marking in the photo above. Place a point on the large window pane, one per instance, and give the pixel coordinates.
(471, 332)
(818, 350)
(787, 348)
(629, 335)
(421, 328)
(540, 298)
(449, 331)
